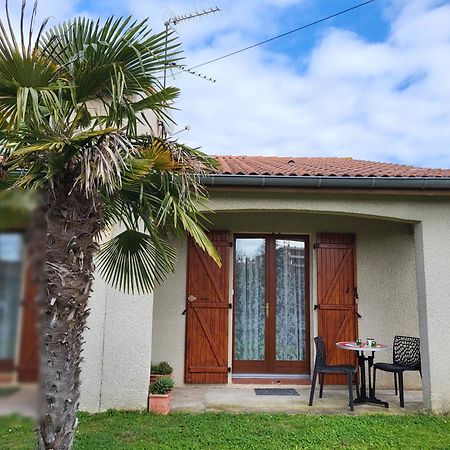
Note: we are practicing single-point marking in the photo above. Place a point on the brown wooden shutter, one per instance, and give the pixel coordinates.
(207, 313)
(28, 355)
(336, 295)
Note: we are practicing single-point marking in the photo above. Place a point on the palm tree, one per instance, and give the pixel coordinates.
(73, 102)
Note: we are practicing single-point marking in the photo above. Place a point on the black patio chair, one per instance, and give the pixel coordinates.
(406, 357)
(321, 368)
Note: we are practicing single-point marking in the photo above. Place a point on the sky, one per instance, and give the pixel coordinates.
(372, 84)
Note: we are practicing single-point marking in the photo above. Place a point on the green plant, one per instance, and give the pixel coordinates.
(162, 386)
(77, 108)
(163, 368)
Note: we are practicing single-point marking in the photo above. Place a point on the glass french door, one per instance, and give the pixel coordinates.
(271, 304)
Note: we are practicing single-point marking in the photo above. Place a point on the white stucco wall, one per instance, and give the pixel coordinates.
(117, 349)
(169, 325)
(391, 231)
(91, 367)
(433, 275)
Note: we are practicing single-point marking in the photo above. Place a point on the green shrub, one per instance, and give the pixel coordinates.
(163, 368)
(162, 386)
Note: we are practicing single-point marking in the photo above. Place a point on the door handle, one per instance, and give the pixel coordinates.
(316, 307)
(267, 310)
(191, 298)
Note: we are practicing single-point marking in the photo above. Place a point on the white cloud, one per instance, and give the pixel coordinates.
(382, 101)
(348, 97)
(251, 18)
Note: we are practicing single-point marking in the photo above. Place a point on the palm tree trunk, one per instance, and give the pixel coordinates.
(72, 223)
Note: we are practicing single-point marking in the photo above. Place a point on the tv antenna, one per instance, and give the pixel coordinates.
(185, 68)
(175, 20)
(185, 128)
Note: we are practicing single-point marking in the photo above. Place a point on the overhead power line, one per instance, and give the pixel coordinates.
(339, 13)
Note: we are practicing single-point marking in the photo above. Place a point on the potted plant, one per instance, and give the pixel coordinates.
(160, 397)
(160, 370)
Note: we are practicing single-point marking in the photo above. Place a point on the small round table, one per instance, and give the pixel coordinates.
(361, 349)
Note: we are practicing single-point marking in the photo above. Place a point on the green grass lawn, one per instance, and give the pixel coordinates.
(123, 431)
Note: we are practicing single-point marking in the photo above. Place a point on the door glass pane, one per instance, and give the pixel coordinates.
(290, 300)
(249, 299)
(10, 291)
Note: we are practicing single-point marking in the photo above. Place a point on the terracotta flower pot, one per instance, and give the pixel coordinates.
(160, 404)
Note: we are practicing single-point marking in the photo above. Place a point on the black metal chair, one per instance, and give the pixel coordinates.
(321, 368)
(406, 357)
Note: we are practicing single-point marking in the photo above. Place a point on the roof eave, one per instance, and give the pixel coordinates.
(317, 182)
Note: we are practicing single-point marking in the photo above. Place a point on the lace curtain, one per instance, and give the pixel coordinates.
(290, 300)
(250, 298)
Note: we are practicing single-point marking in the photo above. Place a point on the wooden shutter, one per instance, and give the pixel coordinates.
(28, 355)
(336, 295)
(207, 313)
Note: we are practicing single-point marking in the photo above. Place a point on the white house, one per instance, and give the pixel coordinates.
(310, 246)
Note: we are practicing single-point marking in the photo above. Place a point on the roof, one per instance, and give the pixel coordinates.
(320, 167)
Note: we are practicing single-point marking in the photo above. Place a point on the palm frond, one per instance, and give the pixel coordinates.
(115, 63)
(103, 163)
(24, 73)
(135, 262)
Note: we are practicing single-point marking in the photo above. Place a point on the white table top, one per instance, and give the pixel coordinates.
(351, 345)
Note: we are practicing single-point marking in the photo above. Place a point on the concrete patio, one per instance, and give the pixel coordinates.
(22, 402)
(242, 398)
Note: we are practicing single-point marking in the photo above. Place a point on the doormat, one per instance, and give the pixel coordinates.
(277, 391)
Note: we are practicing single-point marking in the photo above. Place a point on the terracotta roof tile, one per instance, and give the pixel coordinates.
(303, 166)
